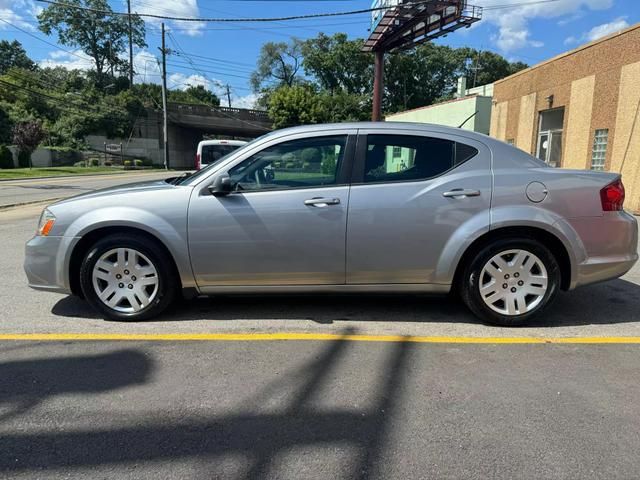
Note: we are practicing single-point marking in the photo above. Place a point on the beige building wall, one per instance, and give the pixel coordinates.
(626, 146)
(598, 85)
(526, 122)
(578, 129)
(499, 121)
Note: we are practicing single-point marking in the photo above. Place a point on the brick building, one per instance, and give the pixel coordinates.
(579, 110)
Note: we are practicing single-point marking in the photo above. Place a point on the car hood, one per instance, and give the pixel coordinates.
(129, 188)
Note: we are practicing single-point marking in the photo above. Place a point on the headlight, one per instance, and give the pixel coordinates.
(47, 219)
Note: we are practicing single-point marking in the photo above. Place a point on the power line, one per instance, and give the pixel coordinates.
(42, 40)
(235, 20)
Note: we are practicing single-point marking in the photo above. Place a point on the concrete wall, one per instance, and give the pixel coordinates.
(451, 113)
(598, 85)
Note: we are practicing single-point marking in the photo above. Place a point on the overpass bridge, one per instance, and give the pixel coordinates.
(187, 124)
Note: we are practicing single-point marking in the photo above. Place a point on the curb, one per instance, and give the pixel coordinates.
(24, 204)
(105, 174)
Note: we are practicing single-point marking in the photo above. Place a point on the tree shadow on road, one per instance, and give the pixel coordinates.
(617, 301)
(27, 383)
(258, 438)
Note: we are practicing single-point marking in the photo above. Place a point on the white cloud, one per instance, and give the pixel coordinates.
(513, 23)
(146, 68)
(18, 12)
(77, 60)
(599, 31)
(182, 81)
(246, 101)
(605, 29)
(171, 8)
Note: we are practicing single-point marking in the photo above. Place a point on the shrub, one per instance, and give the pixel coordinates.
(329, 166)
(137, 162)
(6, 157)
(311, 155)
(108, 163)
(95, 162)
(81, 163)
(24, 159)
(147, 162)
(127, 163)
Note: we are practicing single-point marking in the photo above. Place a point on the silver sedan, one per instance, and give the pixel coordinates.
(354, 207)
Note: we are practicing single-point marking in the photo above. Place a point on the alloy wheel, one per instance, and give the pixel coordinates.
(513, 282)
(125, 280)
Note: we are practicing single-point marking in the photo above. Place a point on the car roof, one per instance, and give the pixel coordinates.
(391, 126)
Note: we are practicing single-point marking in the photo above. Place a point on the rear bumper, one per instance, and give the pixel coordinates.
(606, 268)
(611, 244)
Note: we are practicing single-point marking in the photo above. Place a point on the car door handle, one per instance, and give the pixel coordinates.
(461, 192)
(321, 202)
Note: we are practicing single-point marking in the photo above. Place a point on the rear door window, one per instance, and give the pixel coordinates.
(397, 158)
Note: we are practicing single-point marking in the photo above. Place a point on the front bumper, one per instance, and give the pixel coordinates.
(45, 263)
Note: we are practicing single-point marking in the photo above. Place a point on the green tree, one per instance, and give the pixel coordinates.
(484, 67)
(101, 36)
(6, 125)
(296, 105)
(420, 77)
(194, 94)
(278, 65)
(6, 157)
(13, 55)
(338, 63)
(26, 137)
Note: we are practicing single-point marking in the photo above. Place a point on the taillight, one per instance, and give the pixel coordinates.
(197, 161)
(612, 196)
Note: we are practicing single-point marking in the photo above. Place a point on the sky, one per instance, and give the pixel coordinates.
(220, 54)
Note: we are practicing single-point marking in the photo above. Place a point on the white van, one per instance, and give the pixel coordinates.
(210, 151)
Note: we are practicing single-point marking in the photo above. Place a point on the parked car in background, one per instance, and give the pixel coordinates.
(354, 207)
(210, 151)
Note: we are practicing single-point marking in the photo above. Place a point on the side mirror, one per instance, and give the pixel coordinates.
(221, 185)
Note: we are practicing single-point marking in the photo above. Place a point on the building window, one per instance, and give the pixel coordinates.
(397, 152)
(511, 141)
(550, 136)
(599, 154)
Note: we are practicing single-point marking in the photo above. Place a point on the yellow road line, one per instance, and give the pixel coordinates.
(244, 337)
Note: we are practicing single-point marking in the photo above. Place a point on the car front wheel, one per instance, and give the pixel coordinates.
(127, 277)
(510, 281)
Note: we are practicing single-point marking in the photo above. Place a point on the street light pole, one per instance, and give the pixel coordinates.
(165, 127)
(130, 45)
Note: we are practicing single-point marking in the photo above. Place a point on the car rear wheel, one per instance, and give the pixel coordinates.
(127, 277)
(511, 281)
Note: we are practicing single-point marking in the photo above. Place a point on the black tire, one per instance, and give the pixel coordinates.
(470, 282)
(167, 280)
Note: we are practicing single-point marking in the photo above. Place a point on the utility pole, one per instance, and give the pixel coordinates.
(228, 96)
(165, 129)
(130, 45)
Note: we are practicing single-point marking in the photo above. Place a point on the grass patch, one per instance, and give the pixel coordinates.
(53, 171)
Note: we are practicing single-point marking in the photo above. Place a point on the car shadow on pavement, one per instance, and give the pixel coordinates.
(257, 439)
(27, 383)
(616, 301)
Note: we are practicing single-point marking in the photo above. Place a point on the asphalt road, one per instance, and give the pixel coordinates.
(312, 408)
(14, 192)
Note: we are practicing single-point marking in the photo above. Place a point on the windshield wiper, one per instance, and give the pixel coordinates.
(182, 177)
